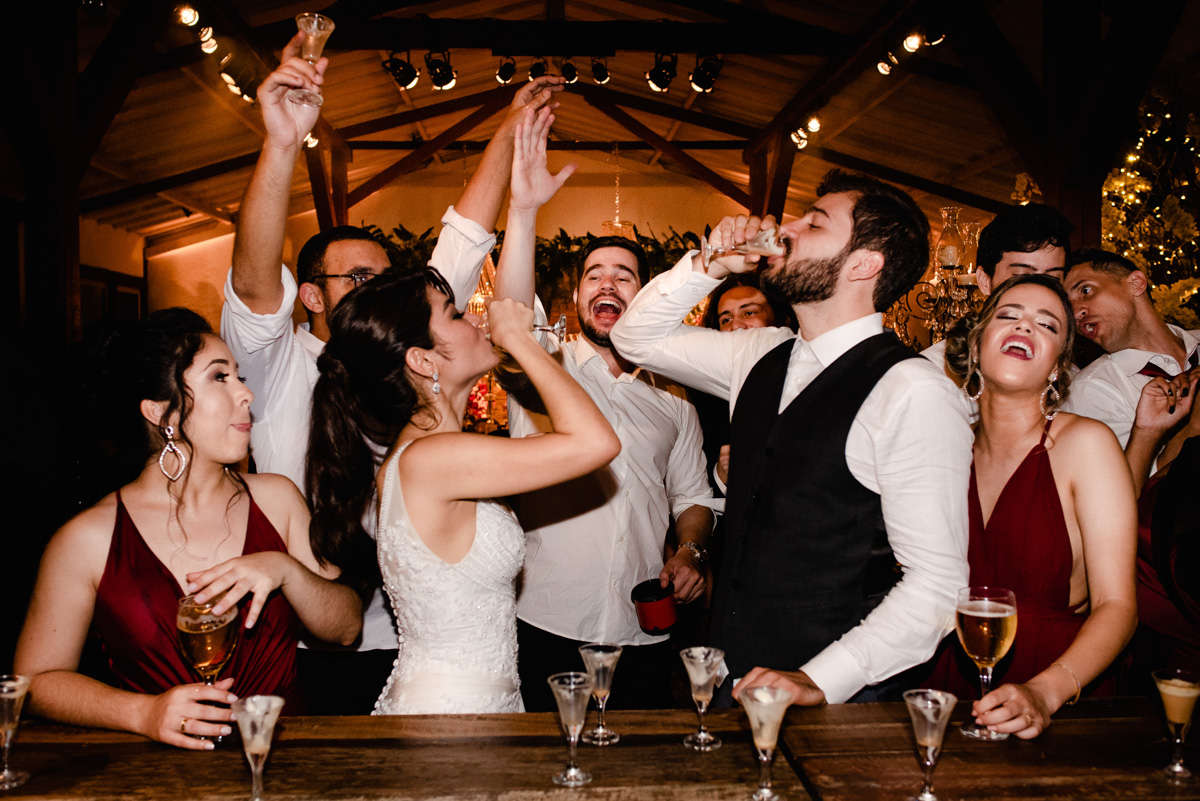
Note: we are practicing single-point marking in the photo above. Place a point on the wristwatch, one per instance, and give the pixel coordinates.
(701, 554)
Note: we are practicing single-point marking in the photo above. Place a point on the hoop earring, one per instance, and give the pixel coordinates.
(173, 449)
(973, 371)
(1050, 397)
(437, 388)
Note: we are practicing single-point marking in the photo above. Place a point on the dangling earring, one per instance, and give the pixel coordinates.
(973, 371)
(1050, 397)
(437, 388)
(171, 448)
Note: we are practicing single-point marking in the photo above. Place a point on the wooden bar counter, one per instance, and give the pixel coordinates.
(1096, 750)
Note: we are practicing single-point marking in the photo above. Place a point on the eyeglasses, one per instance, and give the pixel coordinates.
(359, 278)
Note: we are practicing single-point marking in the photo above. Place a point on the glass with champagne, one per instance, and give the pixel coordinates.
(208, 640)
(600, 659)
(765, 707)
(1179, 690)
(765, 243)
(702, 664)
(12, 697)
(986, 620)
(316, 29)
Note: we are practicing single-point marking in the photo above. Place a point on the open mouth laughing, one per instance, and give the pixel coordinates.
(1017, 347)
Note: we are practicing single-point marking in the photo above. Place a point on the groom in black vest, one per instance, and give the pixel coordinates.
(846, 516)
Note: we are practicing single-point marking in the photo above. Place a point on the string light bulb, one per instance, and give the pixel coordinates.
(912, 43)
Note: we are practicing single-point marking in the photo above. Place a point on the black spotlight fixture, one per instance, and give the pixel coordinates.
(401, 69)
(441, 74)
(538, 68)
(568, 71)
(705, 74)
(663, 72)
(600, 71)
(506, 70)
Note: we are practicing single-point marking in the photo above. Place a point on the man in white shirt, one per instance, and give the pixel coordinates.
(1111, 300)
(591, 540)
(1020, 240)
(279, 360)
(849, 454)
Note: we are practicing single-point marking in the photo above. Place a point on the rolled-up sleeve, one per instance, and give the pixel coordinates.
(914, 443)
(261, 343)
(461, 248)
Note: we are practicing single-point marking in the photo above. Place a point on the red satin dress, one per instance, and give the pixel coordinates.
(1025, 547)
(135, 620)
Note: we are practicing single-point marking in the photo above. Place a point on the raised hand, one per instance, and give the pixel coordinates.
(509, 320)
(1165, 402)
(532, 183)
(288, 123)
(535, 94)
(731, 232)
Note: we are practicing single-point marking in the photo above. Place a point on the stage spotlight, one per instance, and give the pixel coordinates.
(401, 69)
(600, 71)
(659, 76)
(506, 70)
(568, 71)
(441, 75)
(538, 68)
(705, 74)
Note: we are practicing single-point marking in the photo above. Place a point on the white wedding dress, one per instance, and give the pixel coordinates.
(459, 621)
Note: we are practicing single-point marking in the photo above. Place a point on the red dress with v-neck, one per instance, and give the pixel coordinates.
(135, 620)
(1024, 547)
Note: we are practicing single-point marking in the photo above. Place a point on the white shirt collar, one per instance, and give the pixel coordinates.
(828, 347)
(1130, 361)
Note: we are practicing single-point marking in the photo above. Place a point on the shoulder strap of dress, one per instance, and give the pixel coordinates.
(1045, 432)
(390, 476)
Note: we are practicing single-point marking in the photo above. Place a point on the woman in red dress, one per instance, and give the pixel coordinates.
(189, 523)
(1051, 510)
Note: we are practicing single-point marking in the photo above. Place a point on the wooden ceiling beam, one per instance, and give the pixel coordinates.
(875, 37)
(166, 184)
(179, 198)
(565, 37)
(907, 179)
(606, 145)
(239, 109)
(689, 164)
(422, 154)
(692, 117)
(414, 115)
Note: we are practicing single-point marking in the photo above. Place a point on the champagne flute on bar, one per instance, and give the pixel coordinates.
(1179, 690)
(930, 711)
(600, 659)
(256, 716)
(702, 664)
(765, 707)
(986, 620)
(571, 693)
(764, 243)
(316, 29)
(12, 698)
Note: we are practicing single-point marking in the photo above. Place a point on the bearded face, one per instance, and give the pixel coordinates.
(806, 280)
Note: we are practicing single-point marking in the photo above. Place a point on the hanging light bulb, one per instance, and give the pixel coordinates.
(311, 141)
(209, 46)
(206, 33)
(800, 138)
(186, 15)
(884, 68)
(912, 43)
(813, 125)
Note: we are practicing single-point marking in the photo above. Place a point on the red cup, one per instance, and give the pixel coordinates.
(655, 605)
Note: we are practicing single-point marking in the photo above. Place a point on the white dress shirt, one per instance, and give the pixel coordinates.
(1109, 388)
(910, 443)
(279, 363)
(592, 539)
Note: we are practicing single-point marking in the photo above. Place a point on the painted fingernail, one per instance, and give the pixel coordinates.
(225, 730)
(208, 745)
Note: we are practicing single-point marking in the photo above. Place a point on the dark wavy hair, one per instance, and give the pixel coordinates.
(779, 307)
(962, 341)
(888, 221)
(1022, 229)
(362, 400)
(597, 242)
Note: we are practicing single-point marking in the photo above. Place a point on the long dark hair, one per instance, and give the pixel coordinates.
(362, 400)
(962, 341)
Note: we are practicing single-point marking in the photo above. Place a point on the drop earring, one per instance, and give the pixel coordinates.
(171, 448)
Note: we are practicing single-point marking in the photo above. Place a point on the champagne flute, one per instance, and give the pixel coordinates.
(1179, 690)
(930, 712)
(559, 329)
(256, 716)
(600, 659)
(765, 707)
(986, 621)
(316, 29)
(12, 697)
(764, 243)
(702, 664)
(571, 691)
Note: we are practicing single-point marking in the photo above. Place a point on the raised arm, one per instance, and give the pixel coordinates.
(329, 610)
(1104, 506)
(258, 241)
(52, 640)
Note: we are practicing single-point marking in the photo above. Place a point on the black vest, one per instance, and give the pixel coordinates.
(806, 555)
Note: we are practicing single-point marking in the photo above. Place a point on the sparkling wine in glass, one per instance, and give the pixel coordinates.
(256, 716)
(702, 664)
(571, 693)
(930, 712)
(764, 243)
(765, 707)
(316, 29)
(986, 620)
(1179, 690)
(12, 698)
(208, 640)
(600, 659)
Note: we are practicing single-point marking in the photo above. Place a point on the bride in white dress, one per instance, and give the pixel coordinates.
(396, 373)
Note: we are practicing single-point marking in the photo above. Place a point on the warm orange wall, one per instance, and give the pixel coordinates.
(111, 248)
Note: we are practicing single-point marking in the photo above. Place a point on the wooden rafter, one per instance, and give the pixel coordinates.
(388, 121)
(418, 157)
(177, 197)
(687, 163)
(698, 118)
